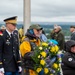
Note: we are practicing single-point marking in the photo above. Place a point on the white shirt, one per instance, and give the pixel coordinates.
(9, 33)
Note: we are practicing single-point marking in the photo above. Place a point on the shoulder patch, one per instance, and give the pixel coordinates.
(70, 59)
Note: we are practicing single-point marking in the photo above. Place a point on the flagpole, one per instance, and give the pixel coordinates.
(26, 14)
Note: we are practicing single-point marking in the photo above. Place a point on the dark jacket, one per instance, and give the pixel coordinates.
(9, 52)
(73, 36)
(59, 37)
(68, 61)
(26, 51)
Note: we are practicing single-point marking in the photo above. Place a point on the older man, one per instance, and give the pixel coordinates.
(30, 42)
(59, 36)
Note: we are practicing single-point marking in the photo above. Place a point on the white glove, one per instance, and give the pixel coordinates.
(2, 70)
(20, 69)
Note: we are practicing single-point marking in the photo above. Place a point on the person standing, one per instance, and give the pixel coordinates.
(59, 36)
(43, 37)
(68, 60)
(72, 30)
(32, 39)
(10, 63)
(2, 29)
(21, 33)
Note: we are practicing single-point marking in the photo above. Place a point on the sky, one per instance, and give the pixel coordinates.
(41, 10)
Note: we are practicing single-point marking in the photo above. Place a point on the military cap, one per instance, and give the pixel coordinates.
(72, 26)
(36, 26)
(12, 20)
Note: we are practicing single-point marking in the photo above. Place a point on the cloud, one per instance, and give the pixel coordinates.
(10, 8)
(42, 10)
(54, 19)
(51, 9)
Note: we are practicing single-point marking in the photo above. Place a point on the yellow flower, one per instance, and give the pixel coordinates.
(52, 49)
(51, 74)
(42, 62)
(56, 48)
(44, 44)
(40, 48)
(43, 54)
(55, 66)
(46, 70)
(38, 70)
(38, 56)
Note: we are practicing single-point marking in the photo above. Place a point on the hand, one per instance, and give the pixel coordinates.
(20, 69)
(1, 70)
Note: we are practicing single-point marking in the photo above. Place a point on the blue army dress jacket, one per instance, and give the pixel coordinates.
(9, 52)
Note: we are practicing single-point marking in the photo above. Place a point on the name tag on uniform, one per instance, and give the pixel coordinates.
(7, 42)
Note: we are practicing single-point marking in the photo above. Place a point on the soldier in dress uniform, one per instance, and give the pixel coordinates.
(10, 63)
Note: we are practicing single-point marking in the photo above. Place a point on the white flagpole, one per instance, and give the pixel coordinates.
(26, 14)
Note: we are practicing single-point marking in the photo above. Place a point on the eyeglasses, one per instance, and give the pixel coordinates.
(38, 30)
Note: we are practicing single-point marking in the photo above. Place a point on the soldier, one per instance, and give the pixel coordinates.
(30, 42)
(9, 49)
(68, 60)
